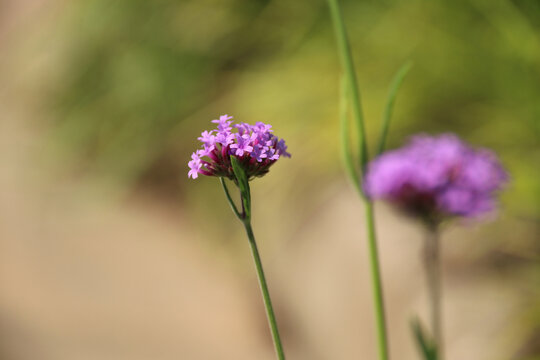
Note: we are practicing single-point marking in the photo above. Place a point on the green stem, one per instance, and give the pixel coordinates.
(348, 67)
(245, 217)
(354, 94)
(229, 199)
(266, 294)
(376, 282)
(433, 274)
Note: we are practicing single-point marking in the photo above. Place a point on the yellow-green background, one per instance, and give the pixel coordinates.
(111, 252)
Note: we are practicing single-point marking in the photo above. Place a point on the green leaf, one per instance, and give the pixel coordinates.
(394, 87)
(346, 152)
(426, 345)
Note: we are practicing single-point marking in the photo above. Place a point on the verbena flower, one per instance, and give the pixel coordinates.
(255, 147)
(437, 177)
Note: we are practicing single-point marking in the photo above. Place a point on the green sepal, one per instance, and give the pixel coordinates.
(426, 345)
(239, 173)
(242, 182)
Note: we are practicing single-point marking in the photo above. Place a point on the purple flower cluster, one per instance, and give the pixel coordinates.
(255, 147)
(437, 177)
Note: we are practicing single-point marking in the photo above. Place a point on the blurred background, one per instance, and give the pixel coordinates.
(108, 251)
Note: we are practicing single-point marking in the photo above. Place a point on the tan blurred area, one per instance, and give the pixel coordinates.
(97, 267)
(83, 280)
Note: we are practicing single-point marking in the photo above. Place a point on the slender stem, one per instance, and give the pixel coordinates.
(348, 67)
(266, 294)
(433, 274)
(229, 199)
(376, 282)
(354, 93)
(245, 217)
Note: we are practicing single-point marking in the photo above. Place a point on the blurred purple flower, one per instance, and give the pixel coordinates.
(437, 177)
(254, 146)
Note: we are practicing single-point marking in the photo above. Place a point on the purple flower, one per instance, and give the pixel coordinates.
(437, 177)
(282, 148)
(259, 152)
(255, 147)
(262, 128)
(194, 165)
(208, 140)
(243, 144)
(243, 128)
(272, 154)
(224, 125)
(225, 138)
(207, 137)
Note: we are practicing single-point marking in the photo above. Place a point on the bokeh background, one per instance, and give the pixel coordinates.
(108, 251)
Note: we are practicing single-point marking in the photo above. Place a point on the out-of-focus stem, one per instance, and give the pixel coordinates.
(376, 282)
(433, 274)
(356, 106)
(348, 68)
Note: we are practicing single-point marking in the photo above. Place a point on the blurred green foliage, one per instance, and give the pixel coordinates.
(141, 79)
(135, 70)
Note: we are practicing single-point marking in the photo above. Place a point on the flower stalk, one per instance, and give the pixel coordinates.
(240, 153)
(351, 92)
(266, 294)
(245, 217)
(432, 265)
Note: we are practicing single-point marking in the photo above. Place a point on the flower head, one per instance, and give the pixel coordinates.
(255, 147)
(437, 177)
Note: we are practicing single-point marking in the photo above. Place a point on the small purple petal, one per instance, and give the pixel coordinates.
(259, 152)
